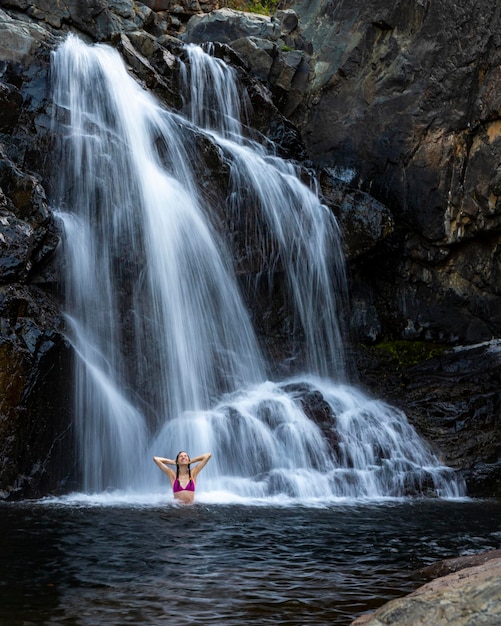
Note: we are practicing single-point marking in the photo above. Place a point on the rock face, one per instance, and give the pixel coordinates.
(395, 106)
(451, 395)
(35, 429)
(272, 47)
(406, 96)
(403, 99)
(469, 596)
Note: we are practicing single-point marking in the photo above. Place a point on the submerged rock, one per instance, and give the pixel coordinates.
(447, 566)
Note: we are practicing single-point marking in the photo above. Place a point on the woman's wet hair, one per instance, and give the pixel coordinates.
(177, 465)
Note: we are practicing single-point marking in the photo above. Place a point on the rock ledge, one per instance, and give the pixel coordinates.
(470, 596)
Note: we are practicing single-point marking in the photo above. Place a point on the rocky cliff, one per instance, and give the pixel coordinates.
(406, 96)
(396, 106)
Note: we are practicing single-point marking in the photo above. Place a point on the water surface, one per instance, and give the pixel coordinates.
(87, 564)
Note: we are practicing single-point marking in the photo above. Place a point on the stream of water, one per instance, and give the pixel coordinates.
(167, 357)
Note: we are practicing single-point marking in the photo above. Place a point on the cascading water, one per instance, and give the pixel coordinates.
(166, 356)
(303, 236)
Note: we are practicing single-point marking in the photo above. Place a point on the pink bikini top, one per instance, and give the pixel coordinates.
(178, 487)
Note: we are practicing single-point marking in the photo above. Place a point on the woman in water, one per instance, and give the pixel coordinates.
(184, 478)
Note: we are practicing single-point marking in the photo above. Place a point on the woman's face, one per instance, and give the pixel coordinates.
(183, 458)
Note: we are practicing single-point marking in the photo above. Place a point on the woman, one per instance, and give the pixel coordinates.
(184, 478)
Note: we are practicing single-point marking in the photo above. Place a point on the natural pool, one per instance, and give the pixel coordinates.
(113, 562)
(168, 359)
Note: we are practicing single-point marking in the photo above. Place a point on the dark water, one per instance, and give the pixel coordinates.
(225, 564)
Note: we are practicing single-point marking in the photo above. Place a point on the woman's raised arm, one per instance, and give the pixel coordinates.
(162, 460)
(163, 465)
(202, 461)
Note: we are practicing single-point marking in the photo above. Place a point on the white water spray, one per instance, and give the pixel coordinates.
(302, 235)
(166, 357)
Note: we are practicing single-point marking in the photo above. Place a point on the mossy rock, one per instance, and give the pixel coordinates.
(409, 353)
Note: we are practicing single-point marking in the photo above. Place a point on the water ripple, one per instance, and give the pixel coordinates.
(232, 565)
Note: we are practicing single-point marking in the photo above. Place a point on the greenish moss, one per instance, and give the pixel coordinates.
(408, 353)
(263, 7)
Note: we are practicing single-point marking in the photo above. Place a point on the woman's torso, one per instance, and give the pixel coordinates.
(185, 493)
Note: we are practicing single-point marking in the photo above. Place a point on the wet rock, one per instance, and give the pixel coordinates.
(469, 596)
(484, 479)
(152, 63)
(272, 48)
(17, 241)
(94, 20)
(227, 25)
(365, 221)
(28, 234)
(447, 566)
(452, 397)
(318, 410)
(186, 7)
(35, 408)
(19, 42)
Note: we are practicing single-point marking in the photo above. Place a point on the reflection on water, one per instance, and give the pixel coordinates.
(225, 564)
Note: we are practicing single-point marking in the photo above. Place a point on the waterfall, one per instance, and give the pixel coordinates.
(166, 356)
(155, 314)
(302, 235)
